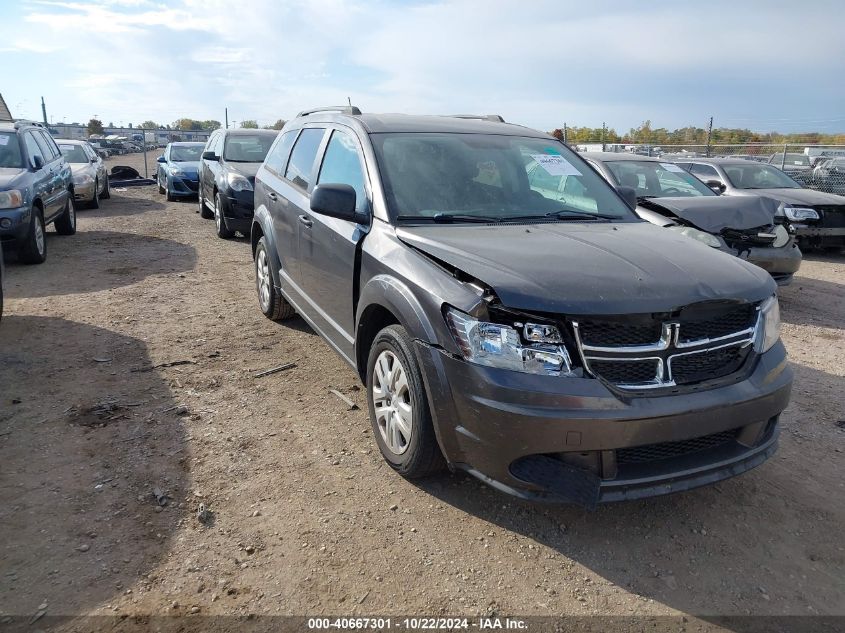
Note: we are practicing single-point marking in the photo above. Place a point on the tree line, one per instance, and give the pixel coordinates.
(95, 126)
(691, 135)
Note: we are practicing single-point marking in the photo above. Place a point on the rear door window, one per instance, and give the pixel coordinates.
(704, 171)
(44, 146)
(277, 158)
(302, 158)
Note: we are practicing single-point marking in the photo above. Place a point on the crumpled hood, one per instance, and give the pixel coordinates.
(714, 213)
(248, 170)
(602, 268)
(797, 197)
(8, 175)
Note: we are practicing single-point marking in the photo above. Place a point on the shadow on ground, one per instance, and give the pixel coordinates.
(767, 542)
(83, 445)
(121, 204)
(101, 260)
(813, 302)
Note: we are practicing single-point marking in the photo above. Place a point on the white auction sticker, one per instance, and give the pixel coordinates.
(671, 167)
(555, 165)
(4, 140)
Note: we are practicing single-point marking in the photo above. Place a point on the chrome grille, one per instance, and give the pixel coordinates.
(698, 343)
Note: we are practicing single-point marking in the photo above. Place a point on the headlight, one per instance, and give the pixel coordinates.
(769, 325)
(238, 182)
(82, 179)
(11, 199)
(495, 345)
(701, 236)
(176, 171)
(781, 236)
(797, 214)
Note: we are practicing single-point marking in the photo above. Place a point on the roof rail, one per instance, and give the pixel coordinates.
(496, 118)
(20, 122)
(342, 109)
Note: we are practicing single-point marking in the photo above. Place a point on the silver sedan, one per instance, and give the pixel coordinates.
(90, 178)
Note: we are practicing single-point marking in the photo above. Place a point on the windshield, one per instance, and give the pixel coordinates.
(651, 179)
(10, 151)
(478, 177)
(757, 176)
(242, 148)
(74, 153)
(798, 160)
(186, 153)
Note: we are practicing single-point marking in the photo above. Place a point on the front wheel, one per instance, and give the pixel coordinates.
(106, 192)
(66, 223)
(95, 201)
(398, 406)
(219, 220)
(158, 180)
(270, 300)
(33, 250)
(205, 212)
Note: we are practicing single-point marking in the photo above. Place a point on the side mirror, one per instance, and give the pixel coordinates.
(37, 163)
(716, 185)
(161, 159)
(629, 195)
(210, 156)
(336, 201)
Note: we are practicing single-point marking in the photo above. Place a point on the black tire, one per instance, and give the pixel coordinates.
(422, 456)
(221, 229)
(158, 180)
(95, 201)
(66, 223)
(273, 305)
(205, 212)
(30, 251)
(106, 192)
(168, 196)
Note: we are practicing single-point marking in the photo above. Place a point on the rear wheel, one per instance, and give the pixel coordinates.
(66, 222)
(33, 249)
(398, 406)
(219, 219)
(270, 300)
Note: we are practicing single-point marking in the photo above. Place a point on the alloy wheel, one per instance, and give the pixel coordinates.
(392, 402)
(39, 236)
(262, 271)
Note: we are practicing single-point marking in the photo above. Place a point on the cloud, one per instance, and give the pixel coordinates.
(543, 64)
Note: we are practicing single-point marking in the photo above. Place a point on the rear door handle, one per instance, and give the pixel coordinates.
(272, 196)
(306, 220)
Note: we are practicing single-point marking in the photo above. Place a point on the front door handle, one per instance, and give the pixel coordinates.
(272, 196)
(306, 220)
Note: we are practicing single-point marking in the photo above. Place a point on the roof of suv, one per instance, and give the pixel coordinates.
(386, 123)
(713, 161)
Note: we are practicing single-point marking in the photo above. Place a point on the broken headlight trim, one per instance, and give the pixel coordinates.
(799, 214)
(701, 236)
(781, 236)
(500, 346)
(769, 327)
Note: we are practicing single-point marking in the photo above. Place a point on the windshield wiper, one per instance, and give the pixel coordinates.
(569, 214)
(450, 218)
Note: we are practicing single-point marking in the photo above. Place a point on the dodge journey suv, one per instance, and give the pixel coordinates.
(556, 347)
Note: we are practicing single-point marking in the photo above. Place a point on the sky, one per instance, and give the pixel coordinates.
(762, 64)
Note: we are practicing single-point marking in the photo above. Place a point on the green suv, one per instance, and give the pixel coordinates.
(36, 189)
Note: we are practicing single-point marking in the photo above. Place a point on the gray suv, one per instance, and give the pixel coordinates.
(556, 347)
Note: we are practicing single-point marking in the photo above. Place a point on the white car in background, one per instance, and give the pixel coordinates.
(90, 177)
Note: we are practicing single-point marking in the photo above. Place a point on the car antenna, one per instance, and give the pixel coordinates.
(349, 100)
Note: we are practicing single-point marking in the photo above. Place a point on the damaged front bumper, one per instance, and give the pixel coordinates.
(574, 440)
(780, 262)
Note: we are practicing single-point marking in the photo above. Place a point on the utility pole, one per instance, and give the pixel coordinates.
(227, 118)
(565, 134)
(603, 133)
(709, 137)
(44, 111)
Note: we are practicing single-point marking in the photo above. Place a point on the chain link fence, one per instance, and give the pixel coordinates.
(820, 167)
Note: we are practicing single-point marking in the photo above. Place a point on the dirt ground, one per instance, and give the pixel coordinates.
(303, 516)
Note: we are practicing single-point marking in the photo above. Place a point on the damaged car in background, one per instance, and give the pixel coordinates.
(558, 351)
(750, 228)
(818, 217)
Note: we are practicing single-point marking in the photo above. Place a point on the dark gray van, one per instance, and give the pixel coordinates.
(557, 348)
